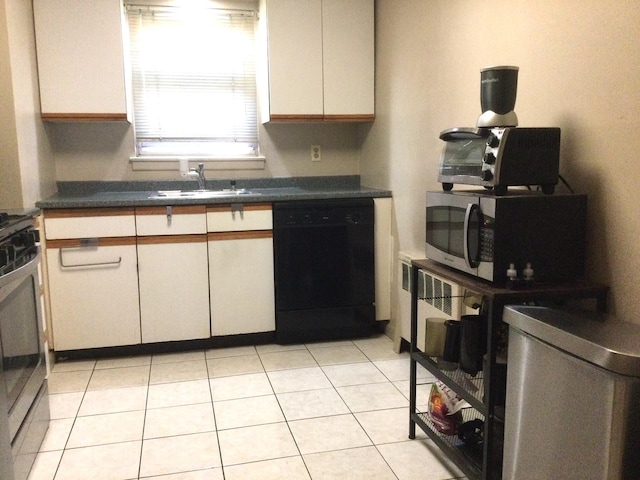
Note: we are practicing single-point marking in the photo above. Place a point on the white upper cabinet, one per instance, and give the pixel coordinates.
(348, 58)
(320, 62)
(81, 64)
(295, 59)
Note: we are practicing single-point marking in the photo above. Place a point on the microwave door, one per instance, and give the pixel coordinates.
(451, 219)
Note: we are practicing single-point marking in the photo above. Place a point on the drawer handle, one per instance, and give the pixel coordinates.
(239, 208)
(63, 265)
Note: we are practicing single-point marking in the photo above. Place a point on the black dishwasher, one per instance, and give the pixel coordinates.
(324, 269)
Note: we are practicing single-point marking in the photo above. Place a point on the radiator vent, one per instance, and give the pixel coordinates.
(406, 275)
(437, 298)
(437, 293)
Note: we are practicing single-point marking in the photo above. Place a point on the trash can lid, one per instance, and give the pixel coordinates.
(595, 337)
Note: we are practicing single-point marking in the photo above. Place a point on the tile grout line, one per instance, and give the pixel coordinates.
(144, 421)
(213, 409)
(373, 444)
(283, 414)
(75, 418)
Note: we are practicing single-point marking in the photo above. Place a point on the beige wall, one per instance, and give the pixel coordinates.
(10, 190)
(27, 171)
(101, 151)
(579, 70)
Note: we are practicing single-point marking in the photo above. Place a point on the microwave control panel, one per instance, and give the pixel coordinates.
(486, 240)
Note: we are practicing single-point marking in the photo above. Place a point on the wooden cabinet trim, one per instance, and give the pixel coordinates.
(252, 234)
(84, 117)
(88, 212)
(351, 118)
(226, 208)
(167, 239)
(275, 117)
(99, 242)
(175, 210)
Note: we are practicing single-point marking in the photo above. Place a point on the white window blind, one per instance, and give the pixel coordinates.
(194, 82)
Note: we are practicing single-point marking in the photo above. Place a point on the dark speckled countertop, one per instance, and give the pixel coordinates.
(138, 193)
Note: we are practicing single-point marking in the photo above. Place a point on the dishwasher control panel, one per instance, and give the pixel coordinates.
(323, 212)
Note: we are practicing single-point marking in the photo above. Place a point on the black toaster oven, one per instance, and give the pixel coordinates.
(499, 157)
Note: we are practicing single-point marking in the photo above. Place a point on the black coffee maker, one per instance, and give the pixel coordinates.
(498, 88)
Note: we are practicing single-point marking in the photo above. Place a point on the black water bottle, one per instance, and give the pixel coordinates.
(473, 343)
(452, 341)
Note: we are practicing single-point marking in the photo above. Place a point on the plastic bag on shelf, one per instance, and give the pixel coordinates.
(444, 408)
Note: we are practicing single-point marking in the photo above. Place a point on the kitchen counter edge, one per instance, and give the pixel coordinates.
(262, 194)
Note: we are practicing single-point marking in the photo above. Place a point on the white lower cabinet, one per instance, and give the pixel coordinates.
(174, 288)
(383, 256)
(159, 274)
(92, 277)
(172, 273)
(241, 282)
(93, 293)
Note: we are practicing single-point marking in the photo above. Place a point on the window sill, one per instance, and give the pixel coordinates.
(222, 163)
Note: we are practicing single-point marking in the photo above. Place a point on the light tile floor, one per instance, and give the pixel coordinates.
(334, 410)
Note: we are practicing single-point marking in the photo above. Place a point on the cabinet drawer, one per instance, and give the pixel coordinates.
(181, 220)
(89, 223)
(229, 218)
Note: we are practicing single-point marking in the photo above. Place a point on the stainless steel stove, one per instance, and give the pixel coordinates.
(24, 404)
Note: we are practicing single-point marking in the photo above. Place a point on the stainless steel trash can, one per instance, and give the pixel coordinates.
(573, 396)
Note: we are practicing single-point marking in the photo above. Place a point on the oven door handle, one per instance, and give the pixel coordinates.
(111, 263)
(472, 214)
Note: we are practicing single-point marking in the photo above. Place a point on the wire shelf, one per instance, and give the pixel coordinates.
(469, 387)
(467, 457)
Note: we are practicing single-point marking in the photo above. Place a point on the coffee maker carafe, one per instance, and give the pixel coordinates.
(498, 88)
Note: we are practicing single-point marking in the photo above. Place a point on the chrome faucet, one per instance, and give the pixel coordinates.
(199, 172)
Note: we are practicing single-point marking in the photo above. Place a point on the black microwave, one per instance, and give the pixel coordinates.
(482, 234)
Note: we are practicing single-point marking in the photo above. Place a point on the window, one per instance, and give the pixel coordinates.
(194, 82)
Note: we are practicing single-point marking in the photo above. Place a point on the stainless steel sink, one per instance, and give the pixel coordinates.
(202, 193)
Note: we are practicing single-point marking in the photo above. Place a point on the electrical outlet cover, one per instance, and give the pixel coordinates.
(316, 153)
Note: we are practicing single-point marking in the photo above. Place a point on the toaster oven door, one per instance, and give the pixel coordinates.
(462, 156)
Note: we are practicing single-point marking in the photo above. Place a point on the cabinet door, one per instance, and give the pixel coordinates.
(241, 282)
(383, 255)
(80, 59)
(93, 293)
(320, 60)
(174, 288)
(295, 58)
(348, 58)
